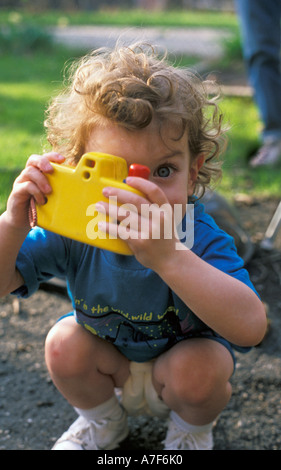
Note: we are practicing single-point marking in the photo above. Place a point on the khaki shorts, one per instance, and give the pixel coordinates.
(138, 396)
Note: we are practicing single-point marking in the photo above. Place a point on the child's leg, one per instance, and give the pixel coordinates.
(83, 367)
(86, 369)
(193, 379)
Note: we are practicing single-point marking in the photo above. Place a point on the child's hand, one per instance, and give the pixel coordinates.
(31, 182)
(148, 227)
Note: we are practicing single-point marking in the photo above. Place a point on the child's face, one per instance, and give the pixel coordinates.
(167, 156)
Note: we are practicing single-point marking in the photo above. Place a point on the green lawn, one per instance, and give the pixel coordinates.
(238, 177)
(26, 84)
(131, 17)
(28, 80)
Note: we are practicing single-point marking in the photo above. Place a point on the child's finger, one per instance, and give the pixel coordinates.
(43, 162)
(124, 196)
(152, 192)
(123, 232)
(29, 189)
(118, 214)
(34, 175)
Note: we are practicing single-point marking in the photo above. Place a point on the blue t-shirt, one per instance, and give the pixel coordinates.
(117, 298)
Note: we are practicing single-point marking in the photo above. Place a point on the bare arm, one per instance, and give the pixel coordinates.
(14, 223)
(11, 240)
(224, 303)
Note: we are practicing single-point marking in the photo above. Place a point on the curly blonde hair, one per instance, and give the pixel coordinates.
(130, 85)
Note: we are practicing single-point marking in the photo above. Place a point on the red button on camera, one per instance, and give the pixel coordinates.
(139, 170)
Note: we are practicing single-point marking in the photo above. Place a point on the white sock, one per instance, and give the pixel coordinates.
(109, 409)
(187, 427)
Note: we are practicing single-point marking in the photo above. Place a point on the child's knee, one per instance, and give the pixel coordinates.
(192, 387)
(66, 348)
(188, 378)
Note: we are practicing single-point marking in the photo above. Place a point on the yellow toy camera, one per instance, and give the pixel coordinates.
(70, 209)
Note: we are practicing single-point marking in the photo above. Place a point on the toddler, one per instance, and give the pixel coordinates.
(154, 333)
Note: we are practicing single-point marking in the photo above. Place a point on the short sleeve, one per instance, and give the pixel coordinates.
(42, 256)
(217, 248)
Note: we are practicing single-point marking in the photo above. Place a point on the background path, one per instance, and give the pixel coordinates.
(201, 42)
(205, 44)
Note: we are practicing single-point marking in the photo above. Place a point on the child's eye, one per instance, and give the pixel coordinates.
(164, 171)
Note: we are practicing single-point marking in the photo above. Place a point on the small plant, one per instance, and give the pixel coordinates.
(18, 38)
(232, 50)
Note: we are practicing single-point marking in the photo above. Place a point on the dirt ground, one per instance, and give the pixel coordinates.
(33, 414)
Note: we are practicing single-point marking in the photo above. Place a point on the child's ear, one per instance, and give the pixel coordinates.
(193, 172)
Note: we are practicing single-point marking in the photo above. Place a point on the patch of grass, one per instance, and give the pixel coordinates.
(23, 37)
(238, 177)
(7, 178)
(119, 17)
(232, 51)
(27, 83)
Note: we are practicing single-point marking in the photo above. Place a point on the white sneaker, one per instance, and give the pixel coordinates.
(177, 439)
(268, 155)
(93, 435)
